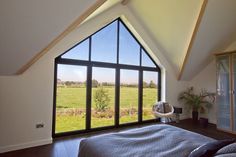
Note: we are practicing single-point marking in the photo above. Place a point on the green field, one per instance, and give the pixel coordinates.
(71, 105)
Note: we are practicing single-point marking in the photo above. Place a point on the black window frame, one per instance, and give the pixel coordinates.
(117, 67)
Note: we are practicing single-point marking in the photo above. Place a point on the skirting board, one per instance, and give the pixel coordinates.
(25, 145)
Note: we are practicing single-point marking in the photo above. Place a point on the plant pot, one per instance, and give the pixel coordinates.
(203, 122)
(195, 116)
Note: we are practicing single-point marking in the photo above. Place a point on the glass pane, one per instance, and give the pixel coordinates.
(234, 88)
(149, 93)
(146, 61)
(223, 96)
(80, 52)
(128, 96)
(104, 44)
(129, 50)
(71, 98)
(103, 93)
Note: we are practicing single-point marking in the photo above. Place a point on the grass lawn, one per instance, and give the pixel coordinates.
(75, 98)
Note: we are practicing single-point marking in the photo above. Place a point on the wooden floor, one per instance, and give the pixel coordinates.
(68, 146)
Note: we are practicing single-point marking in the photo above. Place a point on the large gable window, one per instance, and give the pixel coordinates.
(105, 81)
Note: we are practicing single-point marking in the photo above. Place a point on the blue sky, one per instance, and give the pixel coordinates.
(104, 47)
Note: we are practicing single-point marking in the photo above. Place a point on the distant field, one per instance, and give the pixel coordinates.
(75, 98)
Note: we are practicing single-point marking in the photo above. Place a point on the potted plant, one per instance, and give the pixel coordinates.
(197, 102)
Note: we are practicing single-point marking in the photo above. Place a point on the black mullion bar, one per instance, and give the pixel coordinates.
(140, 97)
(102, 128)
(140, 57)
(73, 62)
(104, 64)
(159, 86)
(88, 100)
(90, 47)
(89, 89)
(117, 98)
(117, 84)
(118, 42)
(54, 100)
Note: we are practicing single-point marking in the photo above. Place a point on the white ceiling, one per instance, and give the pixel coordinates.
(171, 24)
(107, 5)
(28, 26)
(216, 32)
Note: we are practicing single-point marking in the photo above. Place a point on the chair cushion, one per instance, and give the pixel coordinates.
(167, 107)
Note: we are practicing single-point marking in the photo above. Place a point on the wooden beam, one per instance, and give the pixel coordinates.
(201, 13)
(223, 53)
(124, 2)
(69, 29)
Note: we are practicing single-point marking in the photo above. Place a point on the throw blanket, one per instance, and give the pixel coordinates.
(159, 140)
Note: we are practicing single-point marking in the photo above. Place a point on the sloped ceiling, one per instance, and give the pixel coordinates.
(216, 32)
(28, 26)
(170, 22)
(107, 5)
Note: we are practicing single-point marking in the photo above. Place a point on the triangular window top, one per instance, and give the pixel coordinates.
(112, 44)
(146, 60)
(104, 44)
(79, 52)
(129, 49)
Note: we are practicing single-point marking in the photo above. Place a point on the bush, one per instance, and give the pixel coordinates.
(105, 114)
(152, 85)
(101, 98)
(95, 83)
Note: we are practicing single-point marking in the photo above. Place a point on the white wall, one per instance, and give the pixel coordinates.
(27, 99)
(206, 79)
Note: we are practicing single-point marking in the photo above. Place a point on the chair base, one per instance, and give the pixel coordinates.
(166, 120)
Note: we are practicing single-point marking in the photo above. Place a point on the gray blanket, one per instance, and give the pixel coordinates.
(152, 141)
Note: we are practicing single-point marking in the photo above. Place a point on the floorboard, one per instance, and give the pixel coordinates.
(68, 146)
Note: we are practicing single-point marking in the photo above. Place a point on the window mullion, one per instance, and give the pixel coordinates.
(89, 97)
(118, 42)
(117, 97)
(140, 96)
(140, 57)
(159, 86)
(90, 47)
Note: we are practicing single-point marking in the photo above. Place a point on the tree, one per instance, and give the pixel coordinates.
(145, 84)
(152, 84)
(101, 98)
(69, 83)
(95, 83)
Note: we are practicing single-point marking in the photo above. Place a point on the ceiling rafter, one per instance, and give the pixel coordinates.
(199, 19)
(69, 29)
(124, 2)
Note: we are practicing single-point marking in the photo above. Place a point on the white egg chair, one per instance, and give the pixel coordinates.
(164, 111)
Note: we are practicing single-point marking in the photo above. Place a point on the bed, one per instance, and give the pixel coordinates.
(159, 140)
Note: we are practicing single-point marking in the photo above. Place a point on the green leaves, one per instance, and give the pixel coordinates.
(202, 101)
(101, 98)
